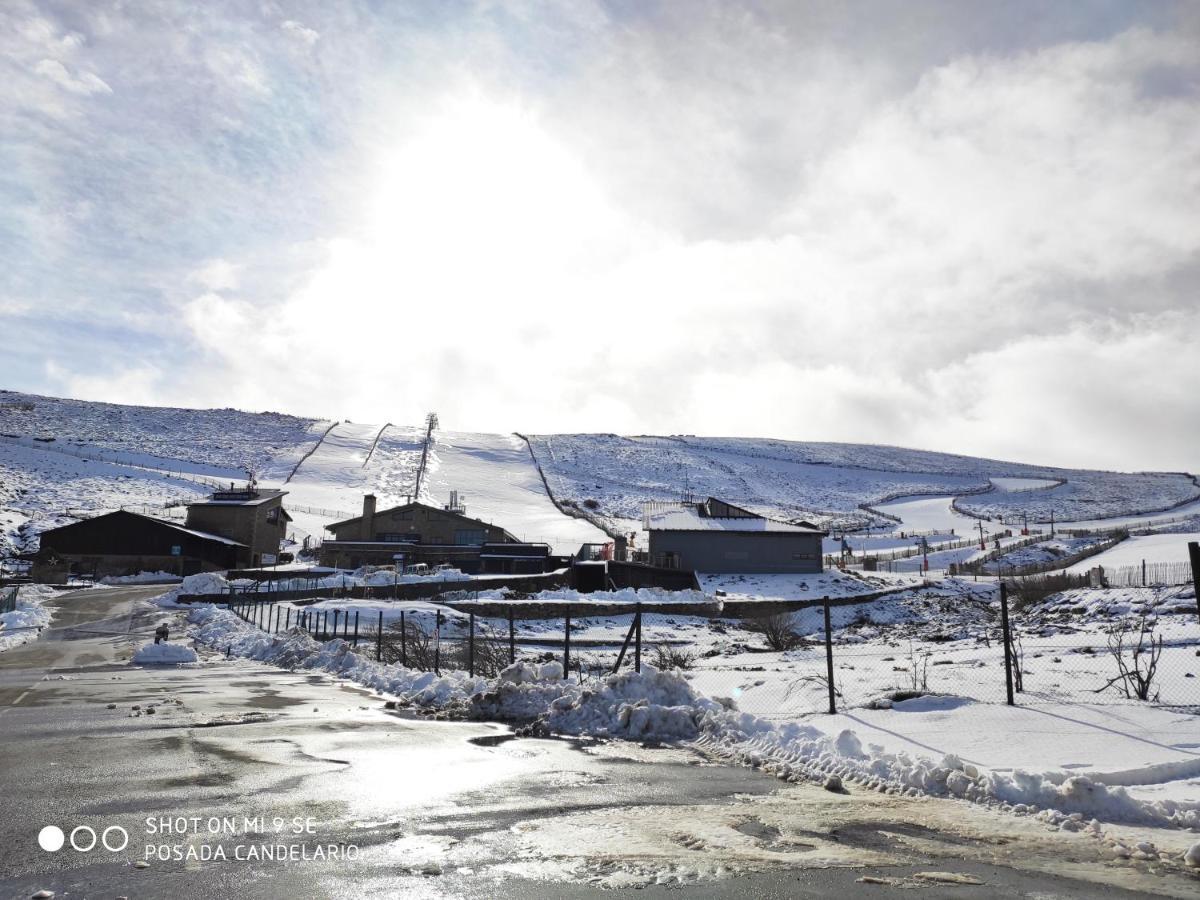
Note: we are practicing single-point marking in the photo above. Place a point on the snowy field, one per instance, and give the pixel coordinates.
(919, 680)
(830, 482)
(1153, 548)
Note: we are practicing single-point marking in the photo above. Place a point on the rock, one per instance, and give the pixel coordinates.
(43, 895)
(1192, 857)
(111, 706)
(834, 785)
(141, 864)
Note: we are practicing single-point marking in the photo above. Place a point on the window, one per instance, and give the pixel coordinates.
(469, 536)
(804, 556)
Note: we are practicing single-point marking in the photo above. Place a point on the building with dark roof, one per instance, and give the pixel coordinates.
(718, 537)
(125, 543)
(419, 533)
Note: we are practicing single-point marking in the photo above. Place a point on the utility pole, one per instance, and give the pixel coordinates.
(1052, 523)
(982, 542)
(1194, 555)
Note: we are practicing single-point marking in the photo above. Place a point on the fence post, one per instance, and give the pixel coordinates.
(512, 638)
(356, 629)
(637, 639)
(1194, 555)
(471, 648)
(829, 658)
(1143, 573)
(437, 645)
(379, 639)
(567, 647)
(403, 641)
(288, 623)
(1008, 677)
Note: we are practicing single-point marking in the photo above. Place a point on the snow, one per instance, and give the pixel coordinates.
(1153, 548)
(142, 578)
(22, 624)
(152, 654)
(501, 483)
(830, 483)
(665, 706)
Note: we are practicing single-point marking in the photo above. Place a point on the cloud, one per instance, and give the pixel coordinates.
(85, 83)
(976, 233)
(298, 32)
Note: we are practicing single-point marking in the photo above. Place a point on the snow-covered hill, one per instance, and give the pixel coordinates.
(832, 482)
(62, 459)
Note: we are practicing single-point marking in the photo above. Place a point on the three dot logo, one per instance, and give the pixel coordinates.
(83, 839)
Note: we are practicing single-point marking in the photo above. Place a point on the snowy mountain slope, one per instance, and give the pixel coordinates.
(223, 439)
(830, 482)
(143, 455)
(502, 485)
(41, 489)
(351, 460)
(64, 459)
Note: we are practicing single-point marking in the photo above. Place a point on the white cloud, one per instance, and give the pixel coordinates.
(84, 83)
(296, 31)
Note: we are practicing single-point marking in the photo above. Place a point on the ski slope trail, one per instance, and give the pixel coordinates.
(502, 486)
(332, 479)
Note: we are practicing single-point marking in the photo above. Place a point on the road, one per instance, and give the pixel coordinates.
(431, 808)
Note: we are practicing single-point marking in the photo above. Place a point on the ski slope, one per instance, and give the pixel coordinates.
(1151, 548)
(502, 486)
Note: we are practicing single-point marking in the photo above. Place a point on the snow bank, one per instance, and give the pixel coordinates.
(142, 578)
(23, 624)
(658, 705)
(163, 655)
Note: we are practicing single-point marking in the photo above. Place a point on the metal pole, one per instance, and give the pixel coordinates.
(512, 638)
(567, 647)
(403, 641)
(637, 642)
(471, 649)
(1194, 555)
(1008, 678)
(437, 645)
(288, 623)
(379, 639)
(829, 659)
(356, 629)
(336, 613)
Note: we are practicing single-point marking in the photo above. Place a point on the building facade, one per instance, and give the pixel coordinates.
(419, 533)
(125, 543)
(253, 517)
(716, 537)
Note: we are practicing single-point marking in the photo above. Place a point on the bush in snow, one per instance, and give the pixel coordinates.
(778, 629)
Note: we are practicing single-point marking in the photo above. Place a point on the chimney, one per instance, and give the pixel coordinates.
(368, 518)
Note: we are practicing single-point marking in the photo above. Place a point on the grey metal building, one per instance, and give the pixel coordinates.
(713, 536)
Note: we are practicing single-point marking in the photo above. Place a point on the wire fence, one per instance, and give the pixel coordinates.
(782, 665)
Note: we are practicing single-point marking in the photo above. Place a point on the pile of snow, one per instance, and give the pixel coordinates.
(657, 596)
(142, 578)
(163, 655)
(657, 705)
(23, 623)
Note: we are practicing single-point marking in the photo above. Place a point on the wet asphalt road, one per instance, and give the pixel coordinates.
(426, 808)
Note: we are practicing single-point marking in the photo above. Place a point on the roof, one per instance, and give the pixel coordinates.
(240, 498)
(403, 506)
(694, 517)
(179, 528)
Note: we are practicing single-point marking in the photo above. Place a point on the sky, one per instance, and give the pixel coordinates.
(955, 226)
